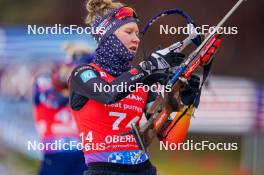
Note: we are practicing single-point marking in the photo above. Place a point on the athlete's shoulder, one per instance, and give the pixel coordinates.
(85, 72)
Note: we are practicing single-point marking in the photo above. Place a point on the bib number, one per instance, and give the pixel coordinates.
(120, 117)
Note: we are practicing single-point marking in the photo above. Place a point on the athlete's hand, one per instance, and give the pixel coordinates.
(158, 61)
(190, 94)
(186, 95)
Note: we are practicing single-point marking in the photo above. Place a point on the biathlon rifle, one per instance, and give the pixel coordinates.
(160, 111)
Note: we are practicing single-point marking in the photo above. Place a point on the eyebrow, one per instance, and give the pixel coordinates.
(131, 28)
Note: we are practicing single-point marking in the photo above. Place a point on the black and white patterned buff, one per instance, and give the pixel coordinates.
(113, 56)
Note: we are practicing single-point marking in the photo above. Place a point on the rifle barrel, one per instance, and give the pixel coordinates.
(219, 25)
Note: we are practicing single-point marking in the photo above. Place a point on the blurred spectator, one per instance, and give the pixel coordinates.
(78, 53)
(54, 121)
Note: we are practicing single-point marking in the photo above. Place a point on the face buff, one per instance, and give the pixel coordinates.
(113, 56)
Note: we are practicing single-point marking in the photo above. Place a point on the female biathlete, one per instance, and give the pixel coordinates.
(102, 113)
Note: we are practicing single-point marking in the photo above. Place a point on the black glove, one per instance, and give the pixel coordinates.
(153, 78)
(190, 94)
(158, 61)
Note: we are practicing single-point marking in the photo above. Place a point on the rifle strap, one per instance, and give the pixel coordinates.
(206, 72)
(179, 118)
